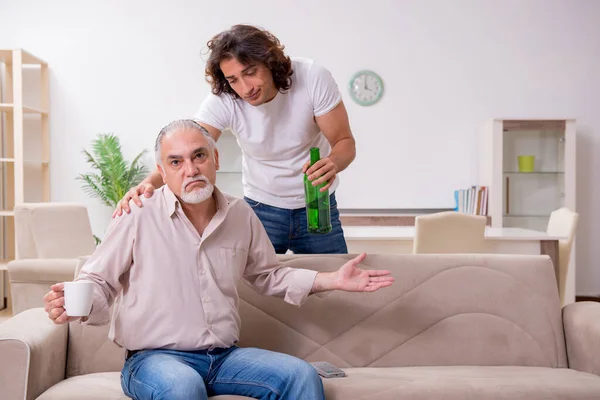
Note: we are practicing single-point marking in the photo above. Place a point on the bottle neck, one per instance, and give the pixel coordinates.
(315, 155)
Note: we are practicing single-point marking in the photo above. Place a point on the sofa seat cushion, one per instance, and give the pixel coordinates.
(98, 386)
(412, 383)
(103, 385)
(453, 383)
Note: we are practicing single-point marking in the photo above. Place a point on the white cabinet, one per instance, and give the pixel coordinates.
(524, 194)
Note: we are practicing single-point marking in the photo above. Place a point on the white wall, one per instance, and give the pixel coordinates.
(129, 67)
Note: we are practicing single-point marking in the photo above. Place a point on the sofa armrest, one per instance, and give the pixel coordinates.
(31, 279)
(582, 333)
(33, 350)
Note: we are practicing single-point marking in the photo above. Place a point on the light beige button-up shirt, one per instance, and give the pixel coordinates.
(176, 289)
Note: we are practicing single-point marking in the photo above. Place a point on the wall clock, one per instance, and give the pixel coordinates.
(366, 87)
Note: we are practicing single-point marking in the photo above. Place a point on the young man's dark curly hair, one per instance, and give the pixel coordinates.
(247, 44)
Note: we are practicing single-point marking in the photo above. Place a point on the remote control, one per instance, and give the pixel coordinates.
(327, 370)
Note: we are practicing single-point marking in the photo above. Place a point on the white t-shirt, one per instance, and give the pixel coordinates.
(276, 137)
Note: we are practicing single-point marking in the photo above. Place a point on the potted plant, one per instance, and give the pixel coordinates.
(113, 176)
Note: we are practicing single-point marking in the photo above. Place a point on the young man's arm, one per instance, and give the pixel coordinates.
(331, 117)
(336, 128)
(214, 115)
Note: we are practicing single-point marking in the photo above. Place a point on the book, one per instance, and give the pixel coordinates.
(473, 200)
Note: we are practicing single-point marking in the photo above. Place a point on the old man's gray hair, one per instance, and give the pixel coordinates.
(180, 124)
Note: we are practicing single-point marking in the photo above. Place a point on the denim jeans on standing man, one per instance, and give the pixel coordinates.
(287, 229)
(196, 375)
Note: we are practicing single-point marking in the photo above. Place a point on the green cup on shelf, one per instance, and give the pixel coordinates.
(526, 163)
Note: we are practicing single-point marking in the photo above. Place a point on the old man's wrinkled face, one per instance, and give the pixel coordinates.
(189, 165)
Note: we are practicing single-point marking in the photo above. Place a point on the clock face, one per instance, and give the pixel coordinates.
(366, 88)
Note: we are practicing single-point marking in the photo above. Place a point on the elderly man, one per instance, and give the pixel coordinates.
(177, 262)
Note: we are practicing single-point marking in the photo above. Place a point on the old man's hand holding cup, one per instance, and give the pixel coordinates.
(68, 301)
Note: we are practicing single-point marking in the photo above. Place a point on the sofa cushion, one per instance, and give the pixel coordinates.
(103, 385)
(454, 383)
(91, 349)
(411, 383)
(98, 386)
(469, 309)
(100, 355)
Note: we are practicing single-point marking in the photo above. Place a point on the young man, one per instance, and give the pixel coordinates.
(177, 263)
(278, 108)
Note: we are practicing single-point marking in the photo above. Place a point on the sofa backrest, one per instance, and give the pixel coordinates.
(453, 309)
(53, 230)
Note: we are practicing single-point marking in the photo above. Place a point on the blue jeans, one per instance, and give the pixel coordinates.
(195, 375)
(288, 230)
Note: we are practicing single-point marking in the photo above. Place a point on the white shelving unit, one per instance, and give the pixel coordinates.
(24, 142)
(525, 199)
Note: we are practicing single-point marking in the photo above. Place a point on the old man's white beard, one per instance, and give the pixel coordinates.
(196, 196)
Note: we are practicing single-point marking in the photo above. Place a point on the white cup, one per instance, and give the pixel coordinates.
(78, 298)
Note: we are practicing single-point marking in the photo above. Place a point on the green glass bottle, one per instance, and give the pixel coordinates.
(318, 214)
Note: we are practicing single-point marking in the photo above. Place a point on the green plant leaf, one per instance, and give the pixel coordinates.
(113, 176)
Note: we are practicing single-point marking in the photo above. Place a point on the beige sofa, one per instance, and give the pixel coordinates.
(452, 327)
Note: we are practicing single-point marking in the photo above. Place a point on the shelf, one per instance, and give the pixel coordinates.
(9, 107)
(534, 173)
(526, 215)
(7, 213)
(533, 124)
(26, 57)
(36, 162)
(12, 160)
